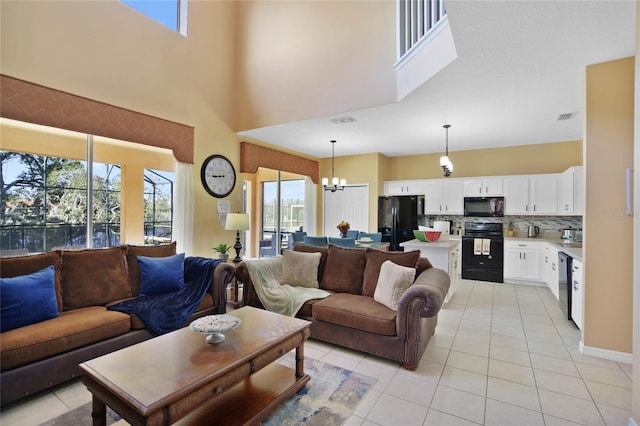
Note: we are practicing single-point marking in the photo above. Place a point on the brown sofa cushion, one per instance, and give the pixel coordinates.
(375, 259)
(324, 252)
(93, 277)
(72, 329)
(344, 270)
(355, 311)
(163, 250)
(23, 265)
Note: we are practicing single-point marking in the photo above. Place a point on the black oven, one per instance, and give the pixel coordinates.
(483, 252)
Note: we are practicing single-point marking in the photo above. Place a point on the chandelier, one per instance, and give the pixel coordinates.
(445, 162)
(336, 183)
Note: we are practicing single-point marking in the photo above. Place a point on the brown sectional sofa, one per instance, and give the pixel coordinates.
(37, 356)
(352, 318)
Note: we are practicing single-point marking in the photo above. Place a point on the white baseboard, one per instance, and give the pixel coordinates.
(616, 356)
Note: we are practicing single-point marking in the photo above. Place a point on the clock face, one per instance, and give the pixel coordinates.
(218, 176)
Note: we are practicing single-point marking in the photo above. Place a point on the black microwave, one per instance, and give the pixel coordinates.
(484, 206)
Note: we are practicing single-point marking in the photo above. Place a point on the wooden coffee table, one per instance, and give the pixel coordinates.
(178, 376)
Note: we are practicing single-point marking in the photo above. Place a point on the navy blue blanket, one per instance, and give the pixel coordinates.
(168, 312)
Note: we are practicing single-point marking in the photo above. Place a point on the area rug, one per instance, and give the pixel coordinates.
(328, 399)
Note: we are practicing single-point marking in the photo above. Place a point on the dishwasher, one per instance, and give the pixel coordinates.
(565, 283)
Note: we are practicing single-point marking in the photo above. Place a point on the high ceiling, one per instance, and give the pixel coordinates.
(520, 65)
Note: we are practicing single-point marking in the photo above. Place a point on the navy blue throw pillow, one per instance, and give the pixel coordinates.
(28, 299)
(159, 275)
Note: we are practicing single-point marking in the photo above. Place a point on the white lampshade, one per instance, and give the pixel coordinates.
(343, 182)
(237, 222)
(335, 181)
(325, 181)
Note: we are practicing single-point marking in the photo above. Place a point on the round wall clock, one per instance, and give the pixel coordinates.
(218, 175)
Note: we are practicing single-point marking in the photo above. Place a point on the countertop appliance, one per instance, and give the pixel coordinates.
(533, 231)
(398, 217)
(484, 206)
(571, 234)
(483, 252)
(566, 281)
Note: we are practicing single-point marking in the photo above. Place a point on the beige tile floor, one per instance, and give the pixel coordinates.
(501, 355)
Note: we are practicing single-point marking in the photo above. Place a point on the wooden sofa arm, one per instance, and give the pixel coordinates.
(423, 299)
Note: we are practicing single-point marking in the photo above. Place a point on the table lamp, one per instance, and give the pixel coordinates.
(237, 222)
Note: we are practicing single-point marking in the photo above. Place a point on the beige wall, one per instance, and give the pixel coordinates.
(524, 159)
(105, 51)
(608, 248)
(329, 56)
(636, 245)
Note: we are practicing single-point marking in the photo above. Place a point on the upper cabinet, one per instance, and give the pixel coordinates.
(443, 196)
(531, 195)
(571, 200)
(541, 194)
(483, 187)
(404, 187)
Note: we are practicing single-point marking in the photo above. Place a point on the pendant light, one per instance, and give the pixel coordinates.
(336, 183)
(445, 162)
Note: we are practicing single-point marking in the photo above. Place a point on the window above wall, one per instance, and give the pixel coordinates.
(170, 13)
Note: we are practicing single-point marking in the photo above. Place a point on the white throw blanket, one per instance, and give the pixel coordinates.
(280, 298)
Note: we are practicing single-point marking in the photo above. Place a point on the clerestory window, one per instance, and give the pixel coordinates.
(170, 13)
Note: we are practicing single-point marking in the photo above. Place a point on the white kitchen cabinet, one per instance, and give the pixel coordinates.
(522, 260)
(443, 196)
(454, 260)
(483, 187)
(577, 293)
(404, 187)
(531, 195)
(571, 197)
(549, 269)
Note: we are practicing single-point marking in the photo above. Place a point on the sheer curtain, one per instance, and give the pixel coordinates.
(310, 198)
(183, 199)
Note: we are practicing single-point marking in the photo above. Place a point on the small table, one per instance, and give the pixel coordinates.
(178, 376)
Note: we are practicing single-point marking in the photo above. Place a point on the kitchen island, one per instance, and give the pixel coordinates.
(443, 255)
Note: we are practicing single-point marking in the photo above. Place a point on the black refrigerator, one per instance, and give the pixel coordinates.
(398, 217)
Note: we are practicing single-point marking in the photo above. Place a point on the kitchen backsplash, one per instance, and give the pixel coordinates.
(520, 223)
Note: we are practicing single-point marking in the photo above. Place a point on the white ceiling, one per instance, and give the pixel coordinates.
(520, 64)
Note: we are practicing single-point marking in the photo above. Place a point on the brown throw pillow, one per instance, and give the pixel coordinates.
(162, 250)
(375, 259)
(93, 277)
(300, 269)
(324, 252)
(344, 270)
(392, 282)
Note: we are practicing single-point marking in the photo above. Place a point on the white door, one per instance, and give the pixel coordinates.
(351, 205)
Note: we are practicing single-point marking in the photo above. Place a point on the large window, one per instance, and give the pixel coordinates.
(44, 202)
(158, 206)
(291, 205)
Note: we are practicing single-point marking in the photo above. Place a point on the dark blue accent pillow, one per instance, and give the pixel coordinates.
(159, 275)
(28, 299)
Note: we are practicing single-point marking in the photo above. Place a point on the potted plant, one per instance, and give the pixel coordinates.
(223, 250)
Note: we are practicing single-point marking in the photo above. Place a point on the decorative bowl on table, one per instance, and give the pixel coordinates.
(214, 326)
(365, 241)
(432, 236)
(420, 236)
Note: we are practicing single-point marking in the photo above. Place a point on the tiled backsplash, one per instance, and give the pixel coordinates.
(520, 223)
